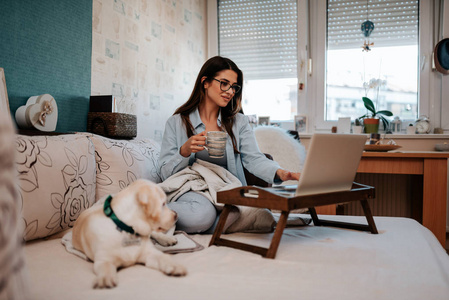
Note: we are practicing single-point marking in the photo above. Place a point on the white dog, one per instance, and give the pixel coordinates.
(117, 233)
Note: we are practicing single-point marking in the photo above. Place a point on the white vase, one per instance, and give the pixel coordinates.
(411, 129)
(357, 129)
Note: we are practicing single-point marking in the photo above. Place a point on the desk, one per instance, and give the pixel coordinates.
(433, 166)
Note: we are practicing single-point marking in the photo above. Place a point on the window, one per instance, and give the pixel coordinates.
(386, 71)
(261, 37)
(401, 58)
(321, 66)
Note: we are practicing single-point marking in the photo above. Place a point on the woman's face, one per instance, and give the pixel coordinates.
(214, 93)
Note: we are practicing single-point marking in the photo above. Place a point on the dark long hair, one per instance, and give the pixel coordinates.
(209, 70)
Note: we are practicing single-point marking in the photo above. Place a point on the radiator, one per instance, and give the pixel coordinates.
(393, 196)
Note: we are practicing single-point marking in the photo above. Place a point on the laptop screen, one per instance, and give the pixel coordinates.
(331, 163)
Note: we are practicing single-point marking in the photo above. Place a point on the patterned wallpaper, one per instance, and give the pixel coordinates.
(45, 48)
(147, 54)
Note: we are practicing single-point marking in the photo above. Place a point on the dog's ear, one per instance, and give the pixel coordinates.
(149, 198)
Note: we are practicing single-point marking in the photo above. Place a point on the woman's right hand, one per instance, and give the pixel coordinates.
(194, 144)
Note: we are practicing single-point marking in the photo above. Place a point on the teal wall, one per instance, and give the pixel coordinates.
(45, 48)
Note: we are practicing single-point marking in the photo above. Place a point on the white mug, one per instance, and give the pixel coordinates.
(411, 129)
(216, 143)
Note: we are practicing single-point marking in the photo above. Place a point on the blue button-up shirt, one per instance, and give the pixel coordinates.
(171, 161)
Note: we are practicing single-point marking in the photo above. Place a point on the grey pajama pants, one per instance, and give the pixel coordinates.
(196, 214)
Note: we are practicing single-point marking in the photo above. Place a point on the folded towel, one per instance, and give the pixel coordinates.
(67, 242)
(184, 244)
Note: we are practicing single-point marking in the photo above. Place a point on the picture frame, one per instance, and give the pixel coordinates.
(301, 124)
(4, 102)
(265, 120)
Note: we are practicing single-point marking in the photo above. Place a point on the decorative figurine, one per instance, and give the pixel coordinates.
(396, 125)
(366, 46)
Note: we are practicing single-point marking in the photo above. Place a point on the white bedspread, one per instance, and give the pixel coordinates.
(404, 261)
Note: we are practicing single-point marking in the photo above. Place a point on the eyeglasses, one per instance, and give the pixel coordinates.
(225, 86)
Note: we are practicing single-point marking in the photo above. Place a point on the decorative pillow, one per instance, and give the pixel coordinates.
(56, 181)
(289, 153)
(12, 263)
(121, 162)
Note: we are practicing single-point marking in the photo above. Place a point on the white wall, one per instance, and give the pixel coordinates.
(147, 53)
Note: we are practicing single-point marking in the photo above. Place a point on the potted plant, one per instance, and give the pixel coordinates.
(372, 117)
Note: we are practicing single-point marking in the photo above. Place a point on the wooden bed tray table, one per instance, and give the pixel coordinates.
(268, 198)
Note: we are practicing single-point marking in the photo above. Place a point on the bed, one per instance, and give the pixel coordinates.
(403, 261)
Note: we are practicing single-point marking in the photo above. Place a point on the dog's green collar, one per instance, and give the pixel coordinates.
(110, 213)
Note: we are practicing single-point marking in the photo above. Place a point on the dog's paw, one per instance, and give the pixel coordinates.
(106, 274)
(168, 241)
(106, 281)
(170, 267)
(175, 270)
(163, 239)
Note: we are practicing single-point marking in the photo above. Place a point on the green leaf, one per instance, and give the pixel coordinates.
(385, 113)
(369, 105)
(363, 117)
(385, 122)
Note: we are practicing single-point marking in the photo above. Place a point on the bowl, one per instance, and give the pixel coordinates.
(442, 147)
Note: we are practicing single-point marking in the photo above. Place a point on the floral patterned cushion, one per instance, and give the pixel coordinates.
(57, 177)
(121, 162)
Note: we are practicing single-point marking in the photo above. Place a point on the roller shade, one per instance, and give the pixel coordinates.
(260, 36)
(396, 23)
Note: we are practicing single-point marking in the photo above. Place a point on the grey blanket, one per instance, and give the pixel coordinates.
(202, 177)
(208, 179)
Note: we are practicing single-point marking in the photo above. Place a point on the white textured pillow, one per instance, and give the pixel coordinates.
(12, 263)
(121, 162)
(56, 181)
(289, 153)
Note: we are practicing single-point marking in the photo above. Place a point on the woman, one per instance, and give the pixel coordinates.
(214, 105)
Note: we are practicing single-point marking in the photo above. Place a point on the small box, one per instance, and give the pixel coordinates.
(112, 125)
(102, 103)
(344, 125)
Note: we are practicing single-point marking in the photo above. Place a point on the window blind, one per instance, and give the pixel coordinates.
(395, 23)
(260, 36)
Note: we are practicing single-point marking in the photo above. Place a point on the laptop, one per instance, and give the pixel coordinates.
(331, 165)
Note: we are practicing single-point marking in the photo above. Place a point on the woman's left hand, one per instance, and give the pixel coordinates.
(285, 175)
